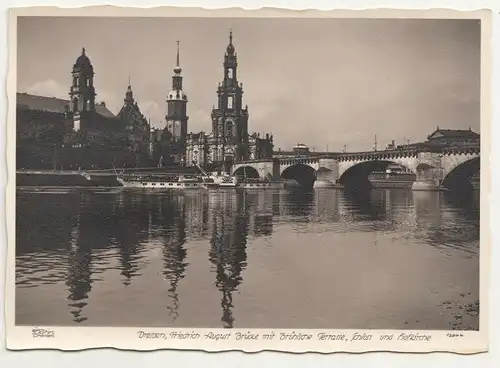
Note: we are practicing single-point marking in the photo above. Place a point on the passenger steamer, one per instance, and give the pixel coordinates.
(160, 181)
(174, 181)
(202, 181)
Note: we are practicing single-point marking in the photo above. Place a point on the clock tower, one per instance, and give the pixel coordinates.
(176, 117)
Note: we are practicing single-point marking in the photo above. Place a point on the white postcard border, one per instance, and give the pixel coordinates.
(78, 338)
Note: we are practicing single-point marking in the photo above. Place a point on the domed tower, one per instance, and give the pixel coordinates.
(176, 117)
(230, 119)
(82, 92)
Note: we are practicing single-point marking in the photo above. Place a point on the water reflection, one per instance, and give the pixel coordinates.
(79, 273)
(80, 239)
(230, 225)
(173, 214)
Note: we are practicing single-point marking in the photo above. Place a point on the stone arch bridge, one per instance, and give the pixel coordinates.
(435, 168)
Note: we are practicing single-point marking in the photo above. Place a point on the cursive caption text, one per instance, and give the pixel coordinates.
(283, 336)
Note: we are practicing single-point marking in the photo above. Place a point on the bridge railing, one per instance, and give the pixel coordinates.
(412, 150)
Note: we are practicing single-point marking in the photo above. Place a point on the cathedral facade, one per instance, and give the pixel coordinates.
(229, 140)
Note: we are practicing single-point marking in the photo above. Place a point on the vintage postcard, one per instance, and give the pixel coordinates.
(295, 181)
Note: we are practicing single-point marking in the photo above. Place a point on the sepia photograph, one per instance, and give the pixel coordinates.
(248, 173)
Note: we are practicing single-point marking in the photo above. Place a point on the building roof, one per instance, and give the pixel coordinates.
(55, 105)
(83, 60)
(453, 134)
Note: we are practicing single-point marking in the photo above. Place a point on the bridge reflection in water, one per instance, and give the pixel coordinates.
(135, 259)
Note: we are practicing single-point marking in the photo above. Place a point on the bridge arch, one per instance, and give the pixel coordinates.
(459, 176)
(357, 174)
(303, 174)
(247, 171)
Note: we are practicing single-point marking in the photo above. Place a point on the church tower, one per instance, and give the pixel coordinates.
(82, 92)
(176, 117)
(230, 119)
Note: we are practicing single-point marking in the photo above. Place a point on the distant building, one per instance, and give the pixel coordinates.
(229, 139)
(78, 132)
(301, 148)
(441, 137)
(453, 136)
(135, 123)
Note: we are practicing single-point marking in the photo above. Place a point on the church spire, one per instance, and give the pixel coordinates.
(178, 64)
(177, 69)
(177, 77)
(230, 47)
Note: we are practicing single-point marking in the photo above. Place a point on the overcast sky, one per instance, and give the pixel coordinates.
(319, 82)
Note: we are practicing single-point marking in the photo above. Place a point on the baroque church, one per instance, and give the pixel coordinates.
(229, 140)
(45, 123)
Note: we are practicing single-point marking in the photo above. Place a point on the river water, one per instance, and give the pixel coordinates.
(389, 259)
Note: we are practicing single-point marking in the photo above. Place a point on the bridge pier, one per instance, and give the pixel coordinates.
(327, 173)
(429, 172)
(324, 183)
(429, 186)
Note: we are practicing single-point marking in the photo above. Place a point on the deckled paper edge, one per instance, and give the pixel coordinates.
(80, 338)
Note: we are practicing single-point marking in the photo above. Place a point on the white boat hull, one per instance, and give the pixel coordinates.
(188, 185)
(262, 185)
(219, 186)
(161, 185)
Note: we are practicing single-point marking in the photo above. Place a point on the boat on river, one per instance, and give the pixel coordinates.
(160, 181)
(216, 179)
(203, 180)
(177, 181)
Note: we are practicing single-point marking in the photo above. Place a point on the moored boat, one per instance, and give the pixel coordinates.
(161, 181)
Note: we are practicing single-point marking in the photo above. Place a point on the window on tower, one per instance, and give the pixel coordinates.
(229, 102)
(230, 73)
